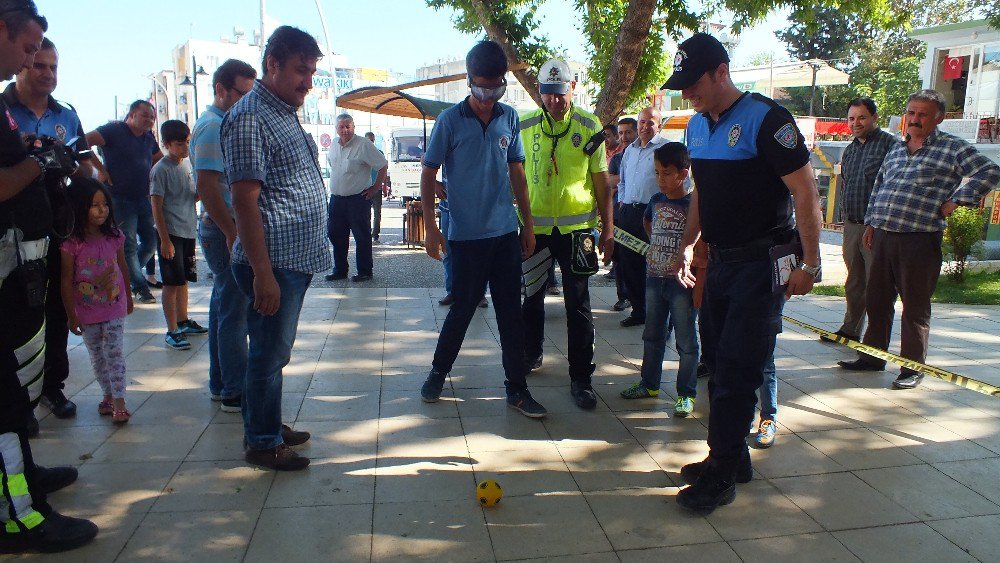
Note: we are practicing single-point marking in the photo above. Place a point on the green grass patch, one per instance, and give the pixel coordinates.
(979, 288)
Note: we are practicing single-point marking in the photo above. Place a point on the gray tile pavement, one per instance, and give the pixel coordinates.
(858, 472)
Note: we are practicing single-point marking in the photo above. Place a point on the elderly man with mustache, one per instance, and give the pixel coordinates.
(918, 187)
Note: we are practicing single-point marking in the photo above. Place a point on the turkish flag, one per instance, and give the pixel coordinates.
(952, 68)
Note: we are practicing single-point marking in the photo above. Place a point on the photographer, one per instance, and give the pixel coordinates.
(38, 114)
(25, 220)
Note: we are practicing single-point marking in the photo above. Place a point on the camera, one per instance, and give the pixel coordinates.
(58, 161)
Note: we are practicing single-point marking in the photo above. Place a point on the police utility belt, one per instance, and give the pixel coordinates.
(758, 249)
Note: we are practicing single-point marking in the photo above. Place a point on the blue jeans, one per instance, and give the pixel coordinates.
(271, 340)
(135, 217)
(495, 261)
(446, 260)
(668, 302)
(351, 216)
(227, 318)
(769, 392)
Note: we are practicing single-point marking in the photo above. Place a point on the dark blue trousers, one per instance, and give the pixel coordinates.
(350, 216)
(741, 318)
(475, 264)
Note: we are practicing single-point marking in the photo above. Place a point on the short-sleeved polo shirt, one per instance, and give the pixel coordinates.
(59, 121)
(128, 158)
(475, 157)
(737, 163)
(206, 150)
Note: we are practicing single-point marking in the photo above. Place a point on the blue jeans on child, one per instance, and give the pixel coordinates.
(227, 318)
(667, 300)
(271, 340)
(769, 392)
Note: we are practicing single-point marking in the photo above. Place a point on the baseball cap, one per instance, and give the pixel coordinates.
(554, 77)
(695, 56)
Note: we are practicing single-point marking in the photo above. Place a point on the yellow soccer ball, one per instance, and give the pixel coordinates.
(489, 493)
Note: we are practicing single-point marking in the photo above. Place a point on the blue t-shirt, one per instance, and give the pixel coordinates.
(128, 158)
(206, 150)
(475, 158)
(58, 121)
(667, 219)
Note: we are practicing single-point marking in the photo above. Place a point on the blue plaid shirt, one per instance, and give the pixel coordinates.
(910, 189)
(262, 140)
(859, 169)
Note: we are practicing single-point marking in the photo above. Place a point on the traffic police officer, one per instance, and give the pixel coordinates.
(567, 185)
(39, 114)
(27, 522)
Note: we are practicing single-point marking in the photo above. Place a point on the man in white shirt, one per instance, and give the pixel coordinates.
(636, 185)
(351, 160)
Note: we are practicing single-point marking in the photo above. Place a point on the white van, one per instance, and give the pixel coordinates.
(405, 157)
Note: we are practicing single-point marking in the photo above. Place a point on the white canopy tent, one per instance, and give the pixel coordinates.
(788, 75)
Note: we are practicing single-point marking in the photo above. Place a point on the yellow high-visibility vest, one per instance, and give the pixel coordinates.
(560, 182)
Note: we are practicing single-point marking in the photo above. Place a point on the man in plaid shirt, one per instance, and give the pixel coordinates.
(918, 187)
(280, 205)
(859, 169)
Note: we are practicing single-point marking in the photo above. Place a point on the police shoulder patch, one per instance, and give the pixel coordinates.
(786, 136)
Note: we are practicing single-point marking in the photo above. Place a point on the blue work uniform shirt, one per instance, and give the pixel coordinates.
(59, 121)
(475, 158)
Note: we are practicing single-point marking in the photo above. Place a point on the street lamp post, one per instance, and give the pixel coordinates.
(197, 71)
(156, 98)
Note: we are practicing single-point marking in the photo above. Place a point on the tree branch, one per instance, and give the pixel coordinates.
(625, 60)
(527, 77)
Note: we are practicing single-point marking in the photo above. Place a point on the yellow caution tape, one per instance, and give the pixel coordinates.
(950, 377)
(630, 241)
(633, 242)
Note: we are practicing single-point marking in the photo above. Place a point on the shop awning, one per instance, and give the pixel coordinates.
(388, 101)
(391, 100)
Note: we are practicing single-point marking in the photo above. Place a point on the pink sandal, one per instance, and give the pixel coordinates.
(106, 407)
(121, 416)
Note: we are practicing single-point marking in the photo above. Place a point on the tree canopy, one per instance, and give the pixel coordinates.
(883, 61)
(625, 38)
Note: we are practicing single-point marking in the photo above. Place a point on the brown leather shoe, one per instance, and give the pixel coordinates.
(446, 300)
(293, 437)
(280, 458)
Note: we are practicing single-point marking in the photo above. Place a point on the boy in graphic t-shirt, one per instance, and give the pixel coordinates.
(666, 299)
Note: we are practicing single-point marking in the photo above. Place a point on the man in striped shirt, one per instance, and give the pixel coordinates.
(918, 187)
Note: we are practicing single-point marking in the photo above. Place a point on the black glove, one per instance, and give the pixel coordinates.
(57, 160)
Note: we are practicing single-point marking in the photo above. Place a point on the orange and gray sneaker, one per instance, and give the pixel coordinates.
(765, 433)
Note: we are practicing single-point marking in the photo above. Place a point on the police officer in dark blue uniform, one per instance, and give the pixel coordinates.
(750, 165)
